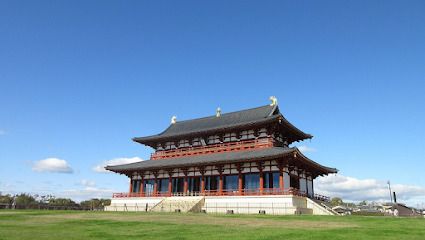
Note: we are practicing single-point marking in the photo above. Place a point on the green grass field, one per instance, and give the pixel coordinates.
(117, 225)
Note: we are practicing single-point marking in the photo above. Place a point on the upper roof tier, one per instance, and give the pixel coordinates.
(240, 120)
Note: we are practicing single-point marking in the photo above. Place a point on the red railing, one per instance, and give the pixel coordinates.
(227, 192)
(214, 148)
(130, 195)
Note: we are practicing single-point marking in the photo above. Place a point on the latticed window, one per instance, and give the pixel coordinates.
(213, 139)
(226, 137)
(262, 132)
(233, 137)
(183, 143)
(247, 135)
(244, 135)
(230, 137)
(278, 137)
(169, 145)
(196, 142)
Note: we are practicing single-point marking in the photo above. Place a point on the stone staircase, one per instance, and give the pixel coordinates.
(320, 207)
(179, 204)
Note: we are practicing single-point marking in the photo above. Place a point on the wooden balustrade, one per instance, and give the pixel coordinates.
(214, 148)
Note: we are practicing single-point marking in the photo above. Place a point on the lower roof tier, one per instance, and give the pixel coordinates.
(292, 156)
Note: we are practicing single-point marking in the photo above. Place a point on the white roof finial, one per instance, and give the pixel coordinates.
(218, 112)
(274, 101)
(173, 119)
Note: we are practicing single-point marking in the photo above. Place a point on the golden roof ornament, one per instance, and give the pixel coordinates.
(274, 101)
(173, 119)
(218, 112)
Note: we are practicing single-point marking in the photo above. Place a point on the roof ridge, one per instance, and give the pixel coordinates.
(223, 114)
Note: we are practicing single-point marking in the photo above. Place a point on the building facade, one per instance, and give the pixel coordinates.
(243, 154)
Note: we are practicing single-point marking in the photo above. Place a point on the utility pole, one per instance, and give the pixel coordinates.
(389, 188)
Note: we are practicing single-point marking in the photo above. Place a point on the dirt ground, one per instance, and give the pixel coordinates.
(196, 219)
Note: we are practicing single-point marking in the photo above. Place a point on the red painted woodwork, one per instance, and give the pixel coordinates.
(281, 181)
(170, 185)
(185, 186)
(155, 187)
(131, 186)
(214, 148)
(261, 182)
(229, 192)
(202, 184)
(220, 184)
(240, 183)
(142, 187)
(260, 168)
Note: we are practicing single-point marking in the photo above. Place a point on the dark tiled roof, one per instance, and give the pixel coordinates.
(242, 118)
(217, 158)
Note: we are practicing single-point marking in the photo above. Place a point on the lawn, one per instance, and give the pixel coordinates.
(45, 224)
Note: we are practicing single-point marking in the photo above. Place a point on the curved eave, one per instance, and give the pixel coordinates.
(325, 170)
(298, 134)
(151, 140)
(222, 158)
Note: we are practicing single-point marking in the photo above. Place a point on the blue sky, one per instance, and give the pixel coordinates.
(79, 79)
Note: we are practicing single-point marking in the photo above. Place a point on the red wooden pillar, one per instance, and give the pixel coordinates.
(170, 184)
(185, 185)
(220, 184)
(260, 168)
(155, 186)
(202, 183)
(131, 186)
(281, 182)
(142, 186)
(220, 180)
(202, 171)
(240, 182)
(261, 181)
(281, 178)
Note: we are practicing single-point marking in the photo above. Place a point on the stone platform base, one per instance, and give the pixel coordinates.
(275, 205)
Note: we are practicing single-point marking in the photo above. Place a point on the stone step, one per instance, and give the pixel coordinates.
(179, 204)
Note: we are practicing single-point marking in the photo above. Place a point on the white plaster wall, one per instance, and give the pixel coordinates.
(277, 205)
(133, 204)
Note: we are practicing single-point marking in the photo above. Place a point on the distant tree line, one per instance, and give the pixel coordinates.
(336, 201)
(28, 201)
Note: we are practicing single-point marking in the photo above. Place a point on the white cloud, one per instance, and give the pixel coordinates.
(116, 161)
(87, 183)
(305, 149)
(53, 165)
(353, 189)
(86, 193)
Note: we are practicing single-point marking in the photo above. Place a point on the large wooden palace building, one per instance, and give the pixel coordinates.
(236, 157)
